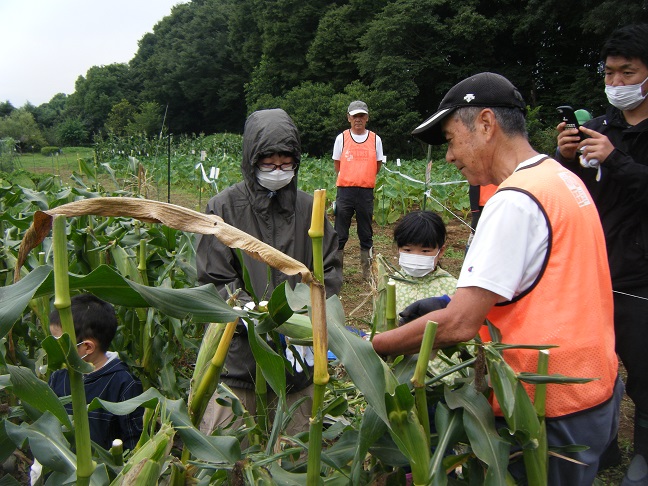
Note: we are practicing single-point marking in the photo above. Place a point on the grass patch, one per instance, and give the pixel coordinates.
(61, 164)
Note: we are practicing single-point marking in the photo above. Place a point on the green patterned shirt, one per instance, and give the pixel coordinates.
(434, 284)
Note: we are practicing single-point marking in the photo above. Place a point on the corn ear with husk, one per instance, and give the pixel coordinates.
(117, 452)
(144, 467)
(408, 433)
(207, 382)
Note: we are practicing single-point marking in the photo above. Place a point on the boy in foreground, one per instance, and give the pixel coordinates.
(95, 325)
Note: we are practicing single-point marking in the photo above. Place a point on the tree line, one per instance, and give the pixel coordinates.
(210, 63)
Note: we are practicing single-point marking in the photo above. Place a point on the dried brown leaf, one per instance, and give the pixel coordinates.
(176, 217)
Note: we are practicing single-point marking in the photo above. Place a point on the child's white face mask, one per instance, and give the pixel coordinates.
(416, 265)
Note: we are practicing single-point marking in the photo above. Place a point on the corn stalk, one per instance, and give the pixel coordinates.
(390, 310)
(320, 340)
(418, 379)
(183, 219)
(535, 460)
(62, 302)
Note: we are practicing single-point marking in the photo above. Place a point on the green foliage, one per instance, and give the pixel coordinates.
(97, 92)
(21, 126)
(6, 108)
(147, 120)
(119, 117)
(7, 154)
(309, 105)
(71, 132)
(312, 57)
(47, 151)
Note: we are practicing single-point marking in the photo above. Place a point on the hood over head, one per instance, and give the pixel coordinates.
(268, 132)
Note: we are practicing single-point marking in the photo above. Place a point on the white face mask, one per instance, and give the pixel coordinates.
(276, 179)
(417, 265)
(625, 97)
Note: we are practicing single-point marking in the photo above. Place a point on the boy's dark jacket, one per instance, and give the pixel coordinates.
(279, 218)
(113, 383)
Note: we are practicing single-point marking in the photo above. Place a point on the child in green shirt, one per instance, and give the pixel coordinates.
(420, 237)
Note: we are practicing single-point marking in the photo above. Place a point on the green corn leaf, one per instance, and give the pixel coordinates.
(15, 298)
(479, 424)
(368, 372)
(61, 352)
(225, 449)
(557, 378)
(278, 307)
(46, 442)
(298, 326)
(203, 304)
(34, 391)
(372, 428)
(449, 425)
(272, 365)
(8, 480)
(6, 445)
(88, 169)
(104, 282)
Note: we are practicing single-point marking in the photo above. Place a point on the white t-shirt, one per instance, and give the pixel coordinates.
(339, 141)
(510, 244)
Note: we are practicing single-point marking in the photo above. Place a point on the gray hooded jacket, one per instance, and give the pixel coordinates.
(279, 218)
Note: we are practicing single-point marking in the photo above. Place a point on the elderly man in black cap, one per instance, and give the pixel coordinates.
(357, 154)
(536, 269)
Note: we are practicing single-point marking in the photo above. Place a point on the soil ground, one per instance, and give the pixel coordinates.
(356, 297)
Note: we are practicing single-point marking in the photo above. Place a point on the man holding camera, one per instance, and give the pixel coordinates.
(616, 144)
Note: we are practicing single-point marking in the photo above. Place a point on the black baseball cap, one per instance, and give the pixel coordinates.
(488, 90)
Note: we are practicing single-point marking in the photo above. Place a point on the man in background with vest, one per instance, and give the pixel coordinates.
(357, 154)
(539, 240)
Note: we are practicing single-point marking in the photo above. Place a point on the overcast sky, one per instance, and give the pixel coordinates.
(45, 45)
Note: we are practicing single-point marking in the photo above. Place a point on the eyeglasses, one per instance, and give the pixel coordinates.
(271, 167)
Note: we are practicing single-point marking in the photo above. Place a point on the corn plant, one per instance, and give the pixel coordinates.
(153, 286)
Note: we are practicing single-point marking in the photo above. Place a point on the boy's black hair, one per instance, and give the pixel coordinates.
(424, 228)
(93, 319)
(630, 42)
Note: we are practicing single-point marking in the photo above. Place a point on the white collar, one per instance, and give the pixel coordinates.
(531, 161)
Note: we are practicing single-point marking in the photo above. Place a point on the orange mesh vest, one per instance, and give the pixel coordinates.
(485, 193)
(358, 162)
(570, 304)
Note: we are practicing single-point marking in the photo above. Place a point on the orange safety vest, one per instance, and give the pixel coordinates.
(358, 162)
(485, 193)
(570, 304)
